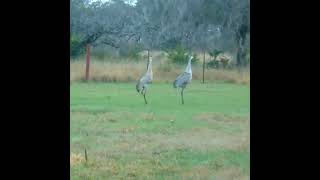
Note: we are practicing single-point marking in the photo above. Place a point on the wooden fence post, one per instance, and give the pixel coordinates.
(87, 61)
(204, 63)
(85, 155)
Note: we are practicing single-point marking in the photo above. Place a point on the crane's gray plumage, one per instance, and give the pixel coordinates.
(145, 80)
(184, 79)
(143, 83)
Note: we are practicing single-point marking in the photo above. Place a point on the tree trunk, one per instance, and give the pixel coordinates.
(87, 61)
(240, 49)
(238, 62)
(240, 56)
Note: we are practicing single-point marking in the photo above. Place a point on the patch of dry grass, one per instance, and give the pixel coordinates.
(76, 159)
(200, 140)
(107, 71)
(132, 155)
(231, 174)
(129, 71)
(148, 116)
(211, 117)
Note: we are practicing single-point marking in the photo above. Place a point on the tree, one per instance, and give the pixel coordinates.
(100, 23)
(163, 24)
(238, 23)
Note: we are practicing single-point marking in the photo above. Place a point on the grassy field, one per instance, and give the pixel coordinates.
(206, 138)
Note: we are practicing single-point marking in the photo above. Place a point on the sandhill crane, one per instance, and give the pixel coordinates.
(184, 78)
(145, 80)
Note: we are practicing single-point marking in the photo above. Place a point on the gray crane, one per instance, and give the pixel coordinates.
(184, 78)
(145, 80)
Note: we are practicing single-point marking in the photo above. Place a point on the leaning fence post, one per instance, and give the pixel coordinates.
(87, 61)
(204, 63)
(85, 155)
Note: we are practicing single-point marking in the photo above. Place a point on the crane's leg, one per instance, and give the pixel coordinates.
(144, 96)
(182, 95)
(142, 91)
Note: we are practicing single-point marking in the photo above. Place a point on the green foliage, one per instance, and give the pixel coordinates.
(131, 51)
(180, 55)
(213, 64)
(215, 53)
(195, 58)
(76, 47)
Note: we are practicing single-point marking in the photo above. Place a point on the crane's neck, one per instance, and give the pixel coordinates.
(149, 70)
(188, 69)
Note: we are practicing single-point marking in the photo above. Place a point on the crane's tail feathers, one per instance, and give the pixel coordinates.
(175, 84)
(138, 88)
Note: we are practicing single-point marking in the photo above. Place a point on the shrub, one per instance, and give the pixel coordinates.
(214, 63)
(76, 47)
(224, 62)
(180, 55)
(215, 53)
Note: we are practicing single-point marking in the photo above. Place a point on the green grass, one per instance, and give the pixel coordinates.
(206, 138)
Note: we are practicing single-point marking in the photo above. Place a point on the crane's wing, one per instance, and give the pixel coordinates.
(182, 80)
(143, 81)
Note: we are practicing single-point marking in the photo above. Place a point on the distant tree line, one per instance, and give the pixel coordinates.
(201, 25)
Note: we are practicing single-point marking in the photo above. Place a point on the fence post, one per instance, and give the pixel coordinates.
(148, 58)
(87, 61)
(85, 155)
(204, 63)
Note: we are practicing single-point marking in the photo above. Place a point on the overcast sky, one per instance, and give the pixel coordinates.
(133, 2)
